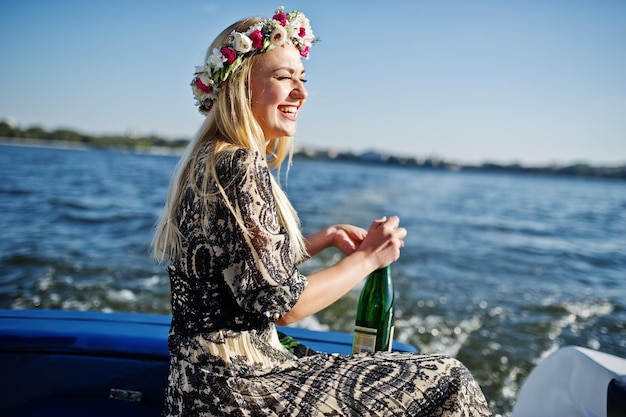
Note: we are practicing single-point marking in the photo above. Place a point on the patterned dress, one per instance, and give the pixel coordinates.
(230, 287)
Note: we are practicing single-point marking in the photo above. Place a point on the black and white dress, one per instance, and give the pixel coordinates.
(229, 288)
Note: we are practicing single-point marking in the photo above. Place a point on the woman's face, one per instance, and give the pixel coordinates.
(278, 93)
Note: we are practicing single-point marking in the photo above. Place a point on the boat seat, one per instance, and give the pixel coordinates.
(69, 363)
(60, 406)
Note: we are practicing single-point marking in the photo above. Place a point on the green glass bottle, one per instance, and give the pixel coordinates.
(375, 313)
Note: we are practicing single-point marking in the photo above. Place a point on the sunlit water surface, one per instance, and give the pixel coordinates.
(499, 270)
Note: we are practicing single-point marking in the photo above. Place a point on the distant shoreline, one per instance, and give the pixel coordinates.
(161, 146)
(373, 158)
(59, 144)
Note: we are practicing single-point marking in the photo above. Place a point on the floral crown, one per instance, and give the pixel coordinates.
(292, 27)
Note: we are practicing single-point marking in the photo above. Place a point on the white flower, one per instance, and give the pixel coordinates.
(308, 40)
(294, 25)
(204, 78)
(216, 60)
(292, 31)
(258, 26)
(241, 42)
(278, 36)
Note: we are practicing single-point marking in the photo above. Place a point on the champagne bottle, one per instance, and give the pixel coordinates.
(375, 313)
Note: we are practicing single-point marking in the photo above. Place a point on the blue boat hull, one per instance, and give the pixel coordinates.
(73, 363)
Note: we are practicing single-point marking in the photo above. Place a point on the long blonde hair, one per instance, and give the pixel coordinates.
(229, 125)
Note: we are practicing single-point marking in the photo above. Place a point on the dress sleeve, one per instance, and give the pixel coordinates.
(261, 274)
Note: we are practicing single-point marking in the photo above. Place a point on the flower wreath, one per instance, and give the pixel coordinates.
(292, 27)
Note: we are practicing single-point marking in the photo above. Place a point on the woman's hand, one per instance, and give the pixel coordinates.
(348, 238)
(384, 240)
(345, 237)
(375, 249)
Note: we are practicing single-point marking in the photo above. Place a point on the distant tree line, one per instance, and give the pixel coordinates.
(37, 133)
(377, 158)
(132, 143)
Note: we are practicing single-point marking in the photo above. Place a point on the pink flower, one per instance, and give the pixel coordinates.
(257, 39)
(229, 54)
(201, 86)
(281, 17)
(304, 52)
(302, 32)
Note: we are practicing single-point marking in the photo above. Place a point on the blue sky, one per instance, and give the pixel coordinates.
(533, 81)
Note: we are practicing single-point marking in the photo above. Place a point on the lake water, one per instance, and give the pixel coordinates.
(498, 270)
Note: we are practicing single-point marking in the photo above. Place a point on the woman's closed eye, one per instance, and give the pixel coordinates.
(289, 77)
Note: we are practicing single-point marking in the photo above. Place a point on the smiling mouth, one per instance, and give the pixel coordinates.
(291, 110)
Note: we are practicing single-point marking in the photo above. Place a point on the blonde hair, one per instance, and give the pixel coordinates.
(230, 125)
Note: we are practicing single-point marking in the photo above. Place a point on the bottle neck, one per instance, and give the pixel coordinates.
(382, 274)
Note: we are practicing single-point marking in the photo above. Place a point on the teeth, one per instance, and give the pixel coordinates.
(288, 109)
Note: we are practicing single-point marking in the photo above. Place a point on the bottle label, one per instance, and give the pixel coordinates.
(364, 339)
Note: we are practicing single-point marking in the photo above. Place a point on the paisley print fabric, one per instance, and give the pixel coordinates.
(230, 287)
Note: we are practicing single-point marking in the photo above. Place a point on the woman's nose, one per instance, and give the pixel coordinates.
(300, 92)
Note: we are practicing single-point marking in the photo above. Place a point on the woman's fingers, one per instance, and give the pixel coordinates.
(348, 238)
(386, 238)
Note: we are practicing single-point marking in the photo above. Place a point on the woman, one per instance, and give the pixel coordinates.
(234, 243)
